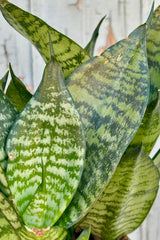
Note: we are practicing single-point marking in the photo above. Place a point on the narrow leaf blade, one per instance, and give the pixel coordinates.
(3, 81)
(85, 234)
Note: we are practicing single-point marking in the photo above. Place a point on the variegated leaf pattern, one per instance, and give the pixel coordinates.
(68, 53)
(9, 220)
(85, 234)
(3, 81)
(17, 92)
(127, 199)
(4, 188)
(91, 45)
(111, 94)
(8, 114)
(153, 53)
(46, 149)
(150, 127)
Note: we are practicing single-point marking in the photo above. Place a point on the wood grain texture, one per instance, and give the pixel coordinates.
(78, 24)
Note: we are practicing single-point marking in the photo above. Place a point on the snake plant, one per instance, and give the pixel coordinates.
(76, 153)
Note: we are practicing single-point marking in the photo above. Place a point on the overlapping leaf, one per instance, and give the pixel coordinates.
(4, 188)
(85, 234)
(17, 92)
(111, 94)
(46, 148)
(153, 53)
(68, 53)
(3, 81)
(8, 114)
(127, 199)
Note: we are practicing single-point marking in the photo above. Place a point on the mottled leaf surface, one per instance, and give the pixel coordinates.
(91, 45)
(8, 114)
(111, 94)
(85, 234)
(17, 92)
(153, 53)
(3, 81)
(149, 129)
(68, 53)
(46, 148)
(4, 188)
(127, 199)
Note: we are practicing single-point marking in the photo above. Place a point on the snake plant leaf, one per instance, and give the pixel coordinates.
(46, 149)
(8, 114)
(111, 94)
(91, 45)
(54, 233)
(153, 49)
(85, 234)
(127, 199)
(17, 92)
(4, 188)
(68, 53)
(3, 81)
(149, 129)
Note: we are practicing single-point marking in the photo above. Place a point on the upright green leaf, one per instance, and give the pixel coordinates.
(3, 81)
(127, 199)
(111, 94)
(17, 92)
(68, 53)
(91, 45)
(8, 114)
(46, 148)
(153, 53)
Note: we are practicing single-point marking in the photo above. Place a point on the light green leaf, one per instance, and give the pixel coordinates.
(46, 148)
(111, 94)
(3, 82)
(127, 199)
(17, 92)
(91, 45)
(68, 53)
(85, 234)
(153, 49)
(8, 114)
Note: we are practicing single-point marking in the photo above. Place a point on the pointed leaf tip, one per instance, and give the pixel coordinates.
(150, 14)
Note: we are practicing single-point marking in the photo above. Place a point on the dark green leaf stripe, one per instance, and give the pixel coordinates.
(127, 199)
(8, 114)
(3, 81)
(68, 53)
(111, 95)
(4, 188)
(46, 148)
(153, 49)
(6, 231)
(17, 92)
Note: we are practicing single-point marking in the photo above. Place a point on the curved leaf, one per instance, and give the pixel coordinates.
(8, 114)
(68, 53)
(4, 188)
(91, 45)
(127, 199)
(17, 92)
(85, 234)
(46, 149)
(3, 81)
(111, 94)
(153, 50)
